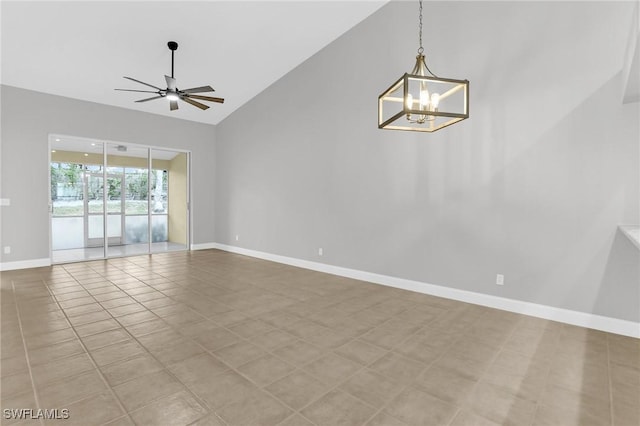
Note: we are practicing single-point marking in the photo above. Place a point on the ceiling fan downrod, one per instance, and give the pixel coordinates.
(173, 46)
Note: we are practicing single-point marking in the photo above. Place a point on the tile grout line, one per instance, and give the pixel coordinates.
(206, 350)
(402, 387)
(234, 369)
(26, 353)
(362, 367)
(493, 359)
(260, 388)
(211, 352)
(84, 347)
(411, 382)
(164, 368)
(612, 417)
(429, 365)
(546, 380)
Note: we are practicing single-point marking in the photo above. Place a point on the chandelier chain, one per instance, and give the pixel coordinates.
(420, 49)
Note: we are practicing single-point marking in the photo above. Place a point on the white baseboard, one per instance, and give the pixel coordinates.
(23, 264)
(204, 246)
(582, 319)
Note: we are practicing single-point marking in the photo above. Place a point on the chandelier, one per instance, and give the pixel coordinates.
(422, 102)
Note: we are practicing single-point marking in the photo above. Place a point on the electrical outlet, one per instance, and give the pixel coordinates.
(7, 250)
(500, 279)
(237, 237)
(320, 251)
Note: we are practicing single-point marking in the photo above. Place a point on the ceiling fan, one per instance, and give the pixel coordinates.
(173, 93)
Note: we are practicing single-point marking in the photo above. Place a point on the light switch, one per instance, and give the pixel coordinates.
(5, 202)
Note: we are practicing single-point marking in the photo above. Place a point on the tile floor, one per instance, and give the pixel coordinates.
(213, 338)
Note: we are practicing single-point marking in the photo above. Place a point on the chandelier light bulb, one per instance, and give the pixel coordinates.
(435, 100)
(409, 101)
(424, 99)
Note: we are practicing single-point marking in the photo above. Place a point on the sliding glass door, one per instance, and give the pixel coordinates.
(136, 211)
(127, 204)
(137, 196)
(93, 206)
(169, 196)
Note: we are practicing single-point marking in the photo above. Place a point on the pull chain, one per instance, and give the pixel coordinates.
(420, 49)
(421, 62)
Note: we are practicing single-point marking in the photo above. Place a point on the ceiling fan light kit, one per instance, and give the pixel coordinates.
(172, 93)
(422, 102)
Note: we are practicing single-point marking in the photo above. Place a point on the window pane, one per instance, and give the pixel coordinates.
(96, 226)
(114, 225)
(114, 194)
(159, 228)
(67, 232)
(94, 192)
(67, 189)
(136, 229)
(159, 191)
(136, 188)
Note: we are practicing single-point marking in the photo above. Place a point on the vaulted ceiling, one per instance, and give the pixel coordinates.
(82, 49)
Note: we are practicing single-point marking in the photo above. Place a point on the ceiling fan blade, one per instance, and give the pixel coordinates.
(150, 99)
(173, 105)
(141, 91)
(171, 82)
(142, 82)
(199, 89)
(207, 98)
(194, 103)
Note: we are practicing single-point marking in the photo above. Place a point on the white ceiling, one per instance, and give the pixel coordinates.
(82, 49)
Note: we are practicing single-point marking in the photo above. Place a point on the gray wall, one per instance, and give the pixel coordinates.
(27, 119)
(532, 186)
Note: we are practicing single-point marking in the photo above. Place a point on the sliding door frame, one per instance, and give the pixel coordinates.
(150, 149)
